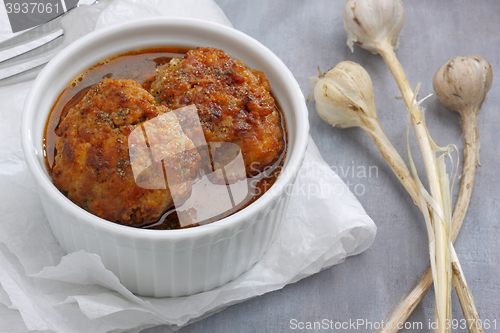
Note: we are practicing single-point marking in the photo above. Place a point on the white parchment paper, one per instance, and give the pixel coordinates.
(43, 289)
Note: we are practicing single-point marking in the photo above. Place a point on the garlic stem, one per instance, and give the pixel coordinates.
(443, 266)
(387, 52)
(465, 296)
(393, 158)
(406, 306)
(461, 84)
(410, 301)
(471, 135)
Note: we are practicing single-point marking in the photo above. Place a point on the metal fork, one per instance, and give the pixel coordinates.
(23, 56)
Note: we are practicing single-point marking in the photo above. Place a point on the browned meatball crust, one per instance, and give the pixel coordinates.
(233, 102)
(92, 165)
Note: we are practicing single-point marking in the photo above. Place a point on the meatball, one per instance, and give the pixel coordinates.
(92, 166)
(233, 102)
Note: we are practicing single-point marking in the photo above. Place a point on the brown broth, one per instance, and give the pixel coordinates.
(139, 66)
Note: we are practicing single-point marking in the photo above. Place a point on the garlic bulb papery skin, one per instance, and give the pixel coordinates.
(374, 24)
(344, 96)
(461, 85)
(463, 82)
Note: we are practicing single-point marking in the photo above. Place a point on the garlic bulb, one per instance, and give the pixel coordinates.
(374, 24)
(462, 83)
(344, 98)
(344, 95)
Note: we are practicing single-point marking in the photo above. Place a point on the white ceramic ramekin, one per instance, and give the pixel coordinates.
(171, 262)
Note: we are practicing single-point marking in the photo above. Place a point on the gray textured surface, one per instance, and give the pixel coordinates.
(307, 34)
